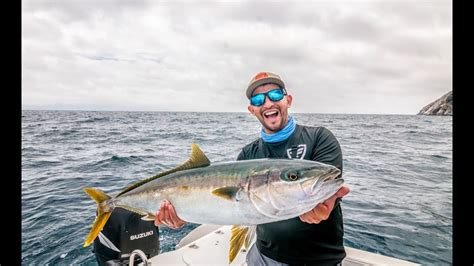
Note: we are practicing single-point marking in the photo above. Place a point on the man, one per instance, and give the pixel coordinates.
(315, 237)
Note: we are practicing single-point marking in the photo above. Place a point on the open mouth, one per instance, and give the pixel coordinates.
(271, 114)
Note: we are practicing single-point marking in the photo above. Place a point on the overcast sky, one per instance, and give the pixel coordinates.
(371, 57)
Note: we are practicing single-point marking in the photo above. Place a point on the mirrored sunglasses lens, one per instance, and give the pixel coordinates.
(257, 100)
(276, 95)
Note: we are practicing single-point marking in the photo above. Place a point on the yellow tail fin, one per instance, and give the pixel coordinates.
(103, 213)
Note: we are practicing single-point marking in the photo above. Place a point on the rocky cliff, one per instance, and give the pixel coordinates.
(442, 106)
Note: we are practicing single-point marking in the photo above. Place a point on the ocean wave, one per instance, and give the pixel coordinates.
(112, 162)
(94, 120)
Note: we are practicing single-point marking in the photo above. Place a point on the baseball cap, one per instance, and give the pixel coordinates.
(263, 78)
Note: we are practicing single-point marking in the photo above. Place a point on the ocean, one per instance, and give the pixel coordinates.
(399, 169)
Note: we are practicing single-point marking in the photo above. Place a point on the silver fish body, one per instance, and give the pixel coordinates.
(239, 193)
(260, 191)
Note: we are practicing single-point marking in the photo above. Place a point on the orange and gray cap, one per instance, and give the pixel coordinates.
(263, 78)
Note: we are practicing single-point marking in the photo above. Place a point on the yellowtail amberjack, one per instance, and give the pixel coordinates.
(239, 193)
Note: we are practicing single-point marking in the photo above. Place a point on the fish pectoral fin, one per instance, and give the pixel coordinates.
(228, 193)
(149, 217)
(240, 235)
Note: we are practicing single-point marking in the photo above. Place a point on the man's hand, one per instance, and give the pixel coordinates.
(322, 211)
(167, 215)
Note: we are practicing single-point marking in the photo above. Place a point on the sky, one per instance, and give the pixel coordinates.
(354, 57)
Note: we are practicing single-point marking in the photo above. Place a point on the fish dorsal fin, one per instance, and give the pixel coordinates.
(196, 160)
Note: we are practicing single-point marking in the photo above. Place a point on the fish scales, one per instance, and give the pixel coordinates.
(190, 193)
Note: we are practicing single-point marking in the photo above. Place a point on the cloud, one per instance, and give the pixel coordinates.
(336, 57)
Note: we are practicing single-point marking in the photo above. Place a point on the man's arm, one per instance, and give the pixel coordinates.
(327, 151)
(241, 155)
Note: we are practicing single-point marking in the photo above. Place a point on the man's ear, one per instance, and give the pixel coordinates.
(289, 99)
(251, 109)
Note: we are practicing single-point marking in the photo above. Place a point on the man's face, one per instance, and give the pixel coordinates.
(272, 115)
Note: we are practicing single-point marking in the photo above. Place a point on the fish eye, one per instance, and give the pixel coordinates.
(292, 176)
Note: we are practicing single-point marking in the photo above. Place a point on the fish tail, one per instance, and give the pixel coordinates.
(103, 213)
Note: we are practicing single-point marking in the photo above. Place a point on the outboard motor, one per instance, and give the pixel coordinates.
(123, 233)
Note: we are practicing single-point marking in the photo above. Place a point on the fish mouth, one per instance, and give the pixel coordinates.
(326, 179)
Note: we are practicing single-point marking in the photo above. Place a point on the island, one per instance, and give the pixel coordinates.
(442, 106)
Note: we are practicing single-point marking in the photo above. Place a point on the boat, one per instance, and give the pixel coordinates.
(209, 245)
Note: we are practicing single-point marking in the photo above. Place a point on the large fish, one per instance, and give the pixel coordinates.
(240, 193)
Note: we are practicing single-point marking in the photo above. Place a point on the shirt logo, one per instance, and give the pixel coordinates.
(297, 152)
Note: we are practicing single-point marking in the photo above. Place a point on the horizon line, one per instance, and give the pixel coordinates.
(164, 111)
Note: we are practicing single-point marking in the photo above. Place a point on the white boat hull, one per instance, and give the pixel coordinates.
(209, 245)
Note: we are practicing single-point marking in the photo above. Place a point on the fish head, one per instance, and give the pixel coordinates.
(296, 186)
(305, 180)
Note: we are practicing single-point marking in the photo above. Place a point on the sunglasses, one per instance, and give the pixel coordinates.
(274, 95)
